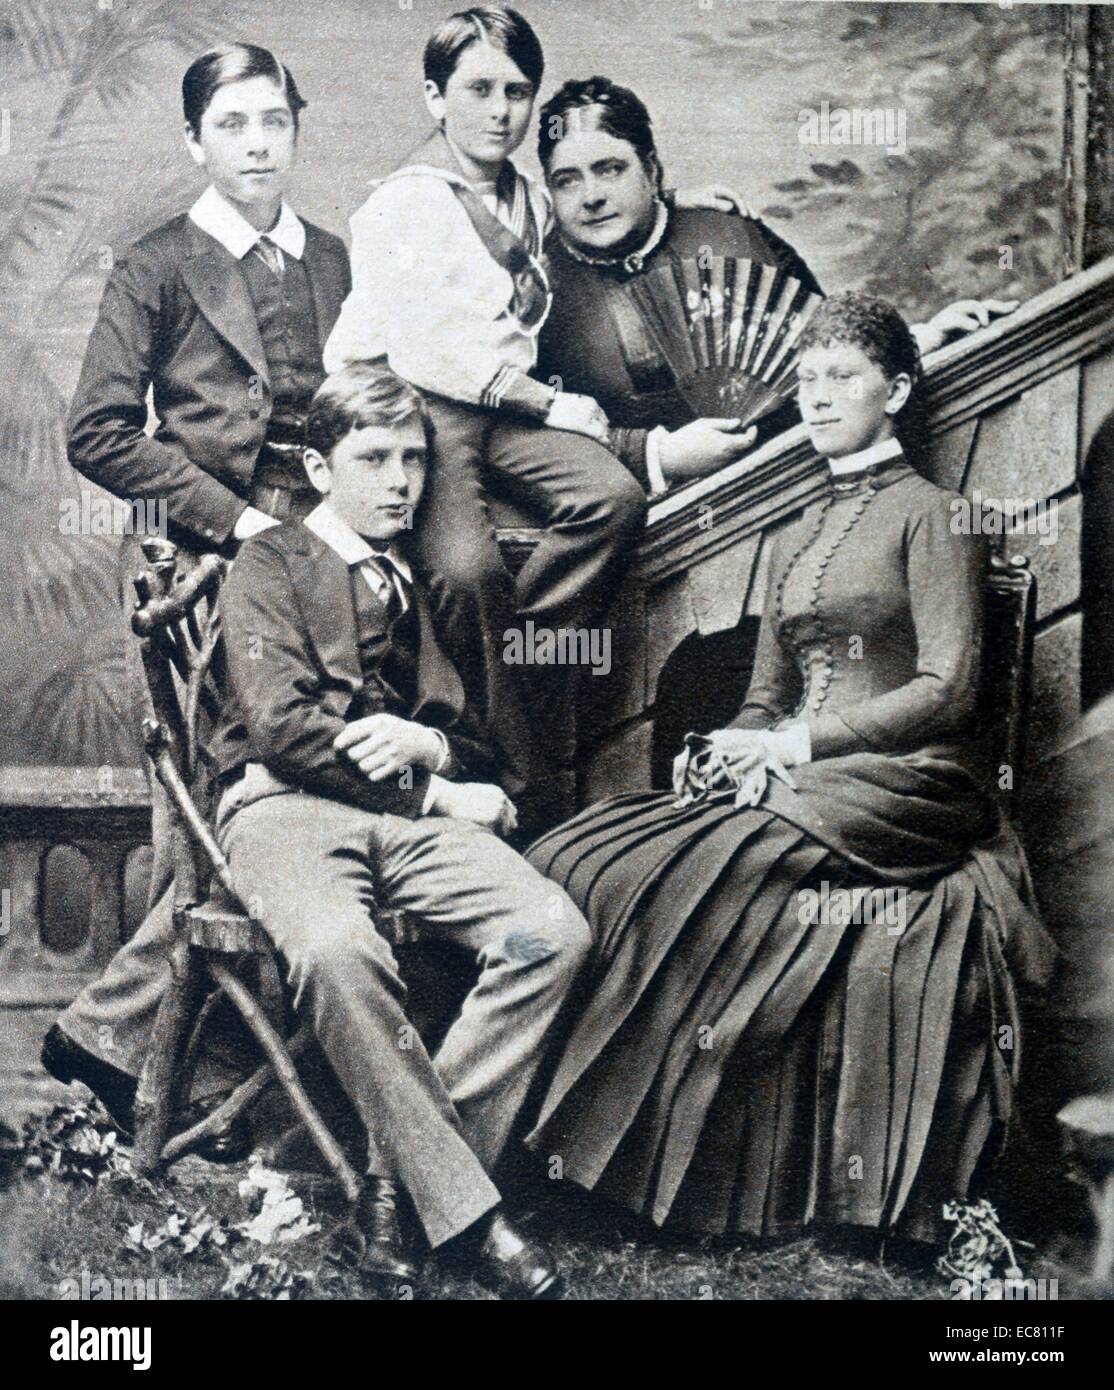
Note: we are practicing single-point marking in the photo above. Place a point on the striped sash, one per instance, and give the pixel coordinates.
(514, 251)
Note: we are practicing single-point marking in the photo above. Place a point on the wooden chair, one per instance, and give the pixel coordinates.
(178, 622)
(1011, 599)
(1087, 1122)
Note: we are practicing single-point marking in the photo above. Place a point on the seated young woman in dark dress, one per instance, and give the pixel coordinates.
(613, 224)
(803, 968)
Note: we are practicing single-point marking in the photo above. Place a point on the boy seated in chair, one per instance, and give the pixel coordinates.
(355, 783)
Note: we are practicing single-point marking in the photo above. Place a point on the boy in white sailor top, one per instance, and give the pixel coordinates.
(449, 287)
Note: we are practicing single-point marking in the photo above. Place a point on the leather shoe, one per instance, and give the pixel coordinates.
(378, 1246)
(67, 1061)
(511, 1264)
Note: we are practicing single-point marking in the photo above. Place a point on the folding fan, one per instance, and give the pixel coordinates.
(727, 329)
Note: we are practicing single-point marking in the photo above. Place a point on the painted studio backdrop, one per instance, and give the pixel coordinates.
(91, 156)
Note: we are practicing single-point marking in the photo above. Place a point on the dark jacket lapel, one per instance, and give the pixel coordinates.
(329, 280)
(214, 279)
(324, 589)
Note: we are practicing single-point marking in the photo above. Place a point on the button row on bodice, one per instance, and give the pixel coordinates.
(817, 665)
(806, 632)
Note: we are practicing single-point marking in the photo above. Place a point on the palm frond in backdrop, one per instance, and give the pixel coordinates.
(61, 624)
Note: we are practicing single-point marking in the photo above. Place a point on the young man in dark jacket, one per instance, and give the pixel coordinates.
(354, 781)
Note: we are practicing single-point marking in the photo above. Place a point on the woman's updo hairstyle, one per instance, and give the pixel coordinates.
(603, 105)
(497, 25)
(875, 327)
(233, 62)
(872, 324)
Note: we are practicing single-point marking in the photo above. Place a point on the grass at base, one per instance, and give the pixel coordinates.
(51, 1230)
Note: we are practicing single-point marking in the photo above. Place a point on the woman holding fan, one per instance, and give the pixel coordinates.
(450, 286)
(614, 227)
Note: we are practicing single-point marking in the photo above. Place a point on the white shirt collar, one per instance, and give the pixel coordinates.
(214, 214)
(327, 526)
(488, 191)
(855, 463)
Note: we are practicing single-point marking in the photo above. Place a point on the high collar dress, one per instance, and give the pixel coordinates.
(733, 1064)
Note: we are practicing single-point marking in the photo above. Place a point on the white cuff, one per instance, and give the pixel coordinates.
(798, 741)
(658, 485)
(445, 751)
(435, 785)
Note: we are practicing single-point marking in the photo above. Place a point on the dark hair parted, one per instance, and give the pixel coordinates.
(361, 396)
(605, 106)
(233, 62)
(876, 327)
(497, 25)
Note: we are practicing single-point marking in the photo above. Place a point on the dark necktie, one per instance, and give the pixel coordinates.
(394, 585)
(270, 255)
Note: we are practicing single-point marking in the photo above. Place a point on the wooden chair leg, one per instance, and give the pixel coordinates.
(235, 1103)
(279, 1058)
(197, 1032)
(163, 1078)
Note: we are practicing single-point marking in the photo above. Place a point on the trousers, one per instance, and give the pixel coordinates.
(317, 872)
(590, 511)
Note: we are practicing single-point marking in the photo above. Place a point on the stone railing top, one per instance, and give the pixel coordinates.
(1064, 324)
(73, 788)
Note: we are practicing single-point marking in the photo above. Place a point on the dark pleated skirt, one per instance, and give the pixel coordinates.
(730, 1065)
